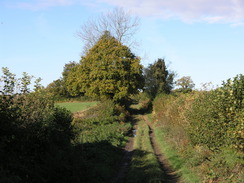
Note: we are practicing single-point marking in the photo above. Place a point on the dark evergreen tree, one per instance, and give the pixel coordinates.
(158, 79)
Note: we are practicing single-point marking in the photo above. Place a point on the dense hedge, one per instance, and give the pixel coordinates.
(35, 139)
(42, 143)
(205, 127)
(216, 117)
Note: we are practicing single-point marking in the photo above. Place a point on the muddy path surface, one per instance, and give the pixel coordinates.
(170, 175)
(125, 164)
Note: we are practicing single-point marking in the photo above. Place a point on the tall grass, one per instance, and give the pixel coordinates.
(174, 159)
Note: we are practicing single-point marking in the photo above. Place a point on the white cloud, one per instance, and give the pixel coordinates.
(239, 24)
(42, 4)
(211, 11)
(214, 19)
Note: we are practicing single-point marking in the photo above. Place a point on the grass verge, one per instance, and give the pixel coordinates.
(174, 159)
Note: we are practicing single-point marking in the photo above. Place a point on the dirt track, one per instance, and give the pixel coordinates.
(125, 164)
(170, 175)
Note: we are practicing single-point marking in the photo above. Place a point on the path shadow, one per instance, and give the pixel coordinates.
(144, 109)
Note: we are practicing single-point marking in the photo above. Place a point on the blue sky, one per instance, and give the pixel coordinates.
(203, 39)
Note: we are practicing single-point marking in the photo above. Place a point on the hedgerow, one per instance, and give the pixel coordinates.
(216, 117)
(204, 126)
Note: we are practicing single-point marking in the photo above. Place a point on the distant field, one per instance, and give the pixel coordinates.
(77, 106)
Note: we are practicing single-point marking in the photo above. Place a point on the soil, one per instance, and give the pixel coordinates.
(125, 163)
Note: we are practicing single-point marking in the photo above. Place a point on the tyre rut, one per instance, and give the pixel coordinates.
(125, 163)
(170, 175)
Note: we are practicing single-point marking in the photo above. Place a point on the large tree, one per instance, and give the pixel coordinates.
(59, 87)
(120, 23)
(109, 70)
(158, 79)
(185, 84)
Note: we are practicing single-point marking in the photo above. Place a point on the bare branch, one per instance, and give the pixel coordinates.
(121, 25)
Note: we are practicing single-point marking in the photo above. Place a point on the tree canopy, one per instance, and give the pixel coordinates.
(185, 83)
(58, 88)
(158, 79)
(108, 70)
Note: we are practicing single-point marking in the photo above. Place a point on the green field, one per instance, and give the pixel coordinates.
(77, 106)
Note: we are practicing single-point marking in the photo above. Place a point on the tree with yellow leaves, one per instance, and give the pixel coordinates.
(109, 70)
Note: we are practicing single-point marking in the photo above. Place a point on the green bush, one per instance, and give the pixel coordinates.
(102, 123)
(216, 117)
(40, 144)
(101, 136)
(34, 136)
(206, 129)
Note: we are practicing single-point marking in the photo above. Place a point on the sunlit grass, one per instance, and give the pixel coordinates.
(174, 159)
(77, 106)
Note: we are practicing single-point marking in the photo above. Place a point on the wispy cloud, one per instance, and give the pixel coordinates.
(239, 24)
(42, 4)
(211, 11)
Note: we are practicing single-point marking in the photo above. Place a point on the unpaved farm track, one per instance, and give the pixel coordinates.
(125, 164)
(170, 175)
